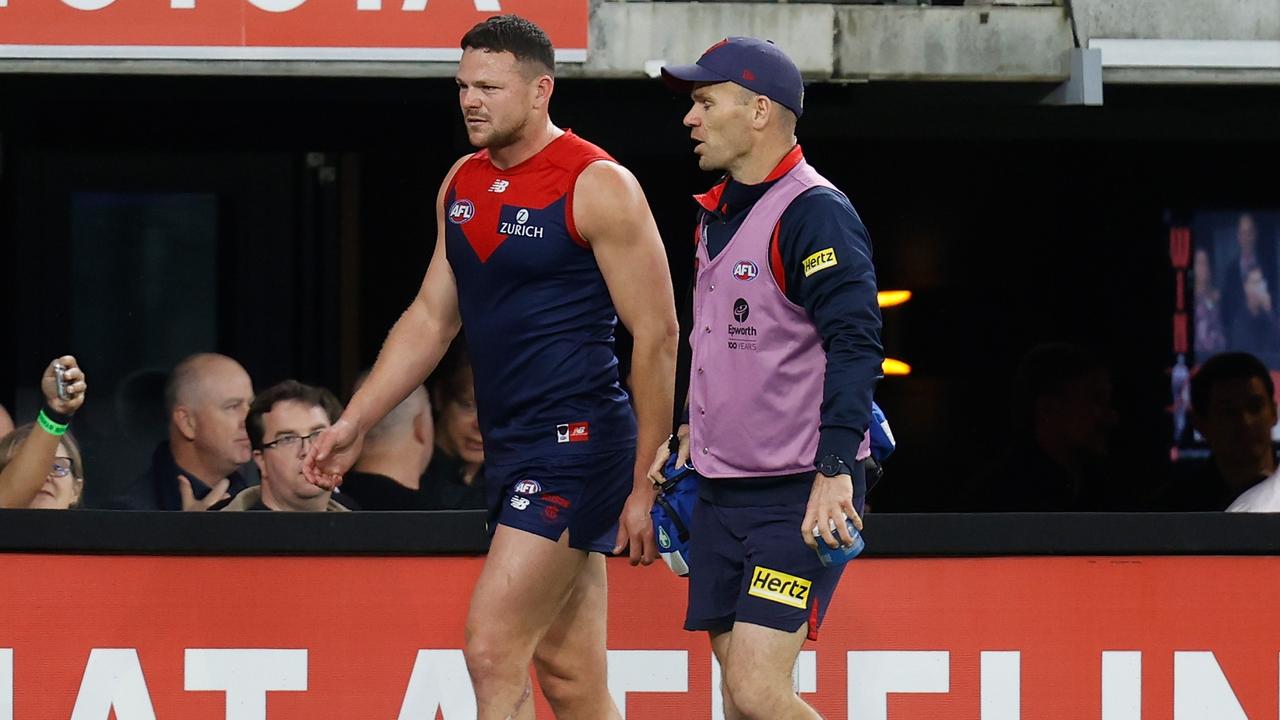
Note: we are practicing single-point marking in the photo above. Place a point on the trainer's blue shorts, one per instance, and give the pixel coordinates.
(749, 563)
(545, 496)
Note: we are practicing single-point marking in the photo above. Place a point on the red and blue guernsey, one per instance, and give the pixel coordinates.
(537, 315)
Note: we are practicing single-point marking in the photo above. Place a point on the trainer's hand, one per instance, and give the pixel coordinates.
(635, 528)
(830, 501)
(215, 496)
(332, 454)
(76, 386)
(664, 452)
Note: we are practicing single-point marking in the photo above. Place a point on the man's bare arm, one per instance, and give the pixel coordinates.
(419, 338)
(411, 351)
(611, 213)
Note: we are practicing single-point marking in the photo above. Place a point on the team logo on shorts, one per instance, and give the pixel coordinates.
(779, 587)
(527, 487)
(555, 503)
(745, 270)
(461, 211)
(664, 540)
(573, 432)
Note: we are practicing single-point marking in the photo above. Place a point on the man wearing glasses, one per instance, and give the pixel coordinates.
(282, 422)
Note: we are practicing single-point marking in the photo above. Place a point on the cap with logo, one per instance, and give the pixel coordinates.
(757, 65)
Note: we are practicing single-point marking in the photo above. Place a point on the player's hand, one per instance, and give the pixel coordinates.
(664, 452)
(635, 528)
(830, 501)
(73, 376)
(215, 496)
(332, 454)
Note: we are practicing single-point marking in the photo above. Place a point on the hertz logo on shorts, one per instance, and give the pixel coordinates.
(820, 260)
(779, 587)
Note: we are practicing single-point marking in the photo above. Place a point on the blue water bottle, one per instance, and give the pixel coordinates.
(832, 466)
(829, 556)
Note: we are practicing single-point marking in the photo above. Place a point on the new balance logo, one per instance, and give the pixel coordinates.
(499, 186)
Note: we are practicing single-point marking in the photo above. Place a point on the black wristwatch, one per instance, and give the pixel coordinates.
(831, 465)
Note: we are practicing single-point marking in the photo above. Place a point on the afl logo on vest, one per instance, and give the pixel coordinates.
(745, 270)
(461, 211)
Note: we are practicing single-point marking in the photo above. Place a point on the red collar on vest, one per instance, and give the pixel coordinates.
(710, 199)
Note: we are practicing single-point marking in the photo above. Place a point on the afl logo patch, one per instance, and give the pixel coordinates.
(522, 217)
(527, 487)
(461, 211)
(745, 270)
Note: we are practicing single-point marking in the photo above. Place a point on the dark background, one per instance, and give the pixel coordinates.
(310, 223)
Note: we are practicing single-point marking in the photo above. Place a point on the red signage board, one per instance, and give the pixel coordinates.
(398, 30)
(946, 639)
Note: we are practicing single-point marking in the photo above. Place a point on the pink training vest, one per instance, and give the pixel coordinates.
(755, 392)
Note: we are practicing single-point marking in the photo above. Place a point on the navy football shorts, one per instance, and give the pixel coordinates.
(545, 496)
(750, 564)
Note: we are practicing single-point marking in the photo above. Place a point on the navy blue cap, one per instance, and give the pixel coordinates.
(757, 65)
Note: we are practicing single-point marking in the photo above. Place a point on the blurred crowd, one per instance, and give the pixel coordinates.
(231, 449)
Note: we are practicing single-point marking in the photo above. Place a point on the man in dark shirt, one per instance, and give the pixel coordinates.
(207, 399)
(1233, 406)
(389, 473)
(1062, 420)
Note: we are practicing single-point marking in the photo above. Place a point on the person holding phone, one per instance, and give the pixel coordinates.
(26, 472)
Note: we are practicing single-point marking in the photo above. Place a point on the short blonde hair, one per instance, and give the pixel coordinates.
(10, 443)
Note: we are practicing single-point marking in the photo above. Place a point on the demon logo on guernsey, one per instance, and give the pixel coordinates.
(745, 270)
(461, 211)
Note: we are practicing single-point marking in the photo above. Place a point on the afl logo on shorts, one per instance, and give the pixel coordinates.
(745, 270)
(461, 211)
(527, 487)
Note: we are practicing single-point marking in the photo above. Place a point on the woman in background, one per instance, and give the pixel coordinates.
(26, 465)
(63, 483)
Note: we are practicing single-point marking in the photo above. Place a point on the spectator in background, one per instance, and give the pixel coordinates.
(63, 481)
(6, 422)
(396, 453)
(207, 398)
(282, 422)
(455, 478)
(1233, 406)
(1210, 337)
(1247, 307)
(27, 460)
(1062, 419)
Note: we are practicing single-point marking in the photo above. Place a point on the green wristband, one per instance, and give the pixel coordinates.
(47, 424)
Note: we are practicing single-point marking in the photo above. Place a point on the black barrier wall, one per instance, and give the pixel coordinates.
(463, 532)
